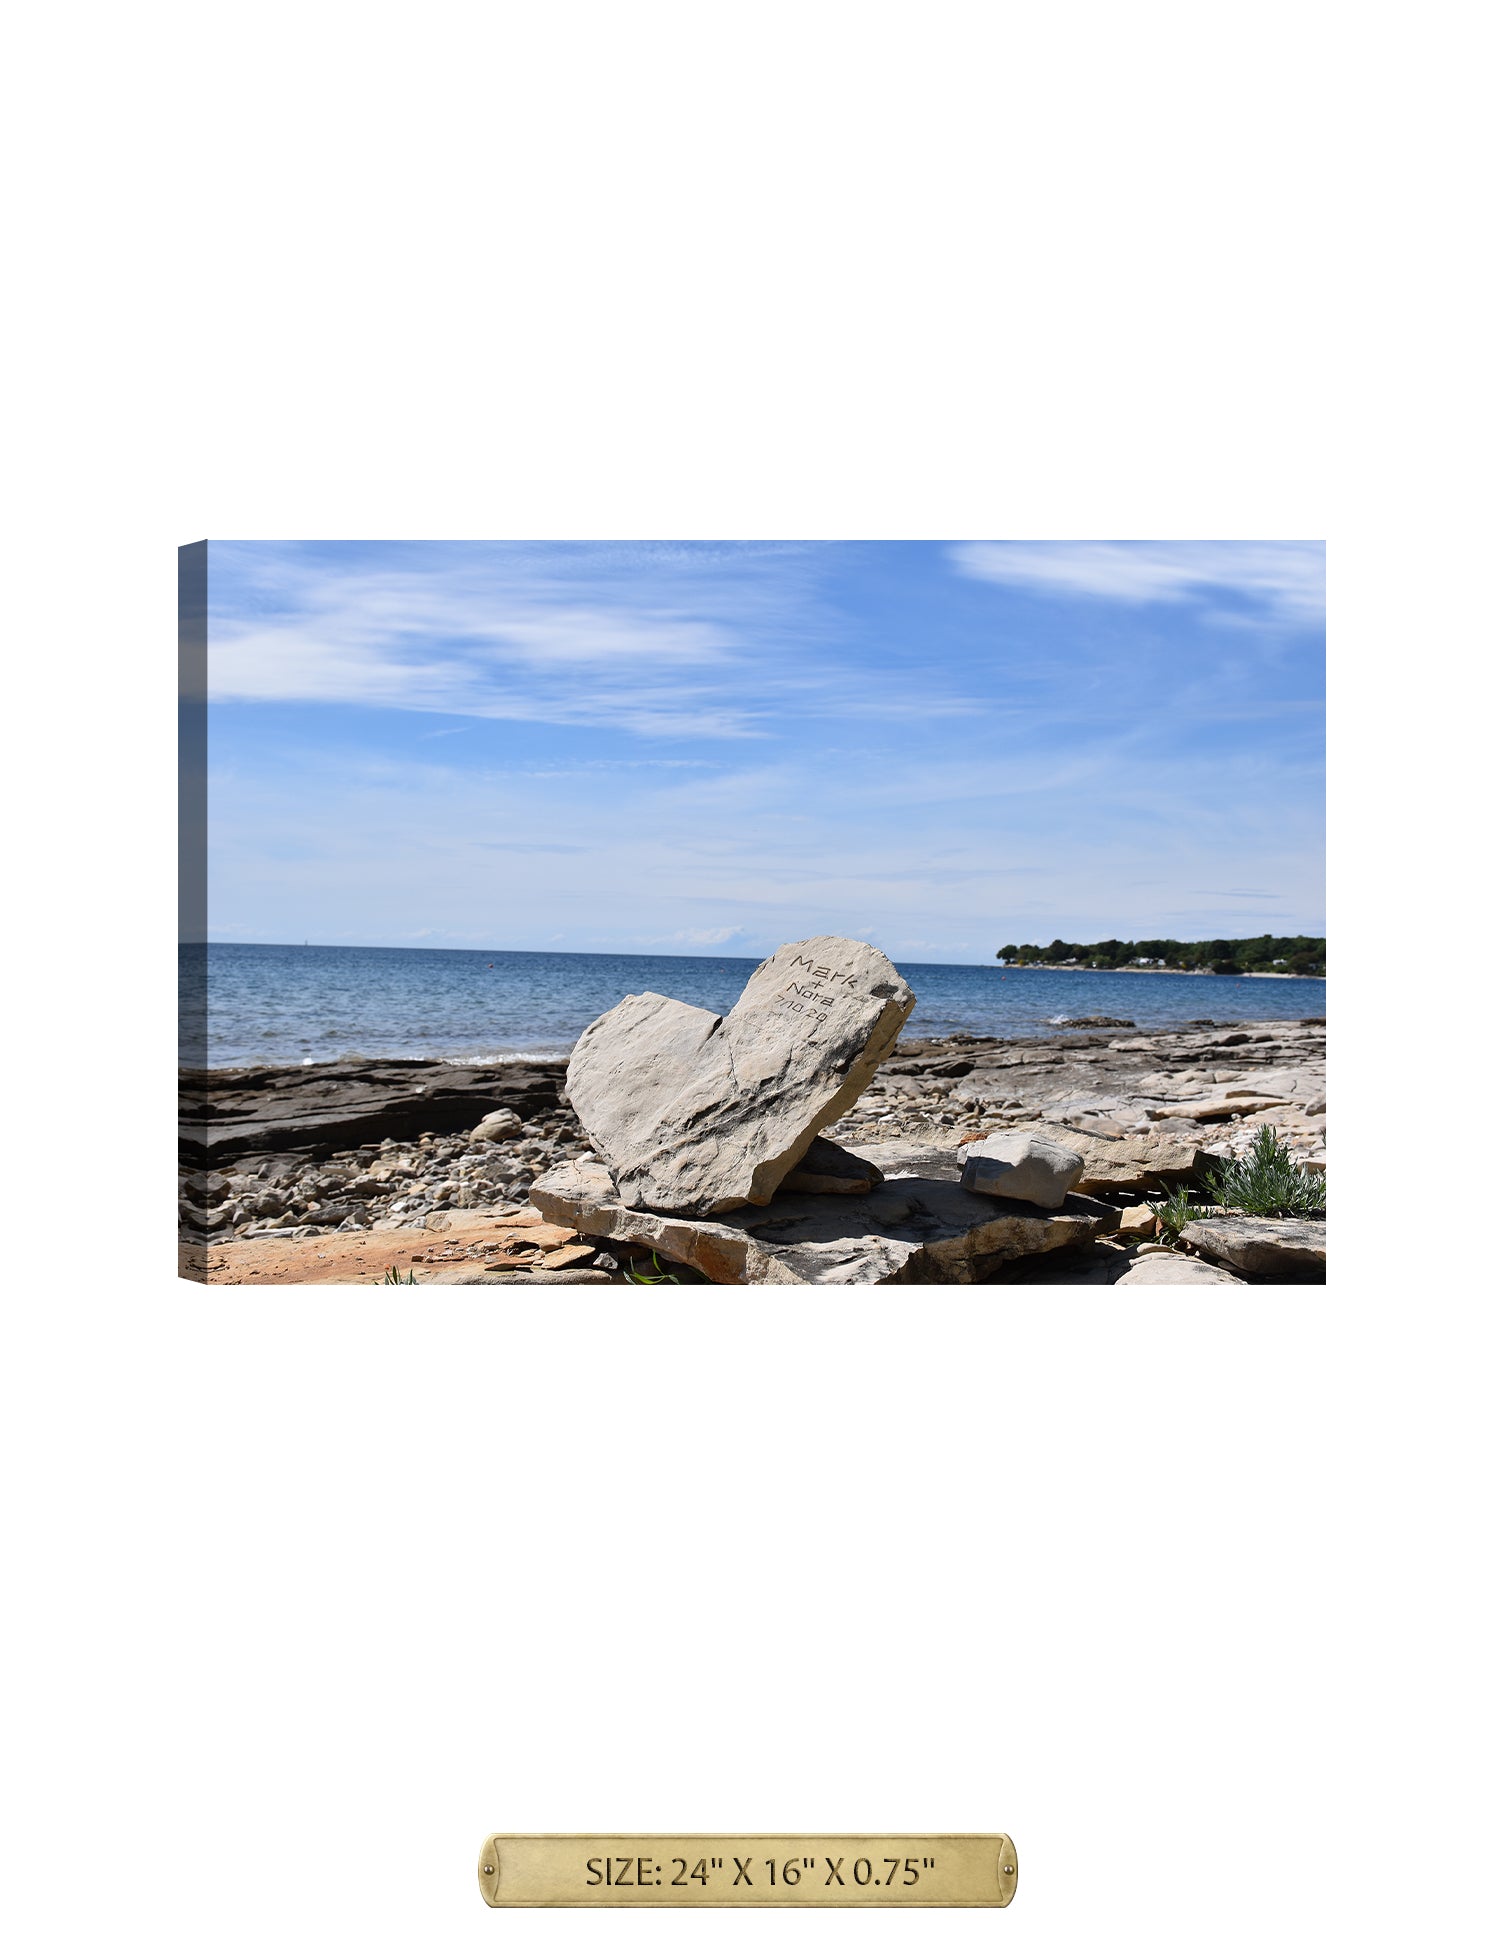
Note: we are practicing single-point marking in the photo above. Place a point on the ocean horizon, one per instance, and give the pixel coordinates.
(278, 1004)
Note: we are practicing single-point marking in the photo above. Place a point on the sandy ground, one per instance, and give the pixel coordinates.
(464, 1243)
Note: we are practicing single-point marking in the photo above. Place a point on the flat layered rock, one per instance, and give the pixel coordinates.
(1294, 1250)
(320, 1108)
(698, 1113)
(1134, 1163)
(1215, 1109)
(907, 1230)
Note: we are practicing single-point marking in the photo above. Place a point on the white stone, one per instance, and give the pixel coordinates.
(1035, 1169)
(1174, 1269)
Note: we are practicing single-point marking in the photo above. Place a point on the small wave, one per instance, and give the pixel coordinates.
(511, 1056)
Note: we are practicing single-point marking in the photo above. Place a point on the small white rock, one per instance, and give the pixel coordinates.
(1173, 1269)
(1034, 1169)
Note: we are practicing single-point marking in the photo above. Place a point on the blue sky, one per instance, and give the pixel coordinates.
(699, 748)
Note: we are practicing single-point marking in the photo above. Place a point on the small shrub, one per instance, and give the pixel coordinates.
(1268, 1183)
(395, 1278)
(1178, 1209)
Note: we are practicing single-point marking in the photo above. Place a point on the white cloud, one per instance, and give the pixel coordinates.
(1286, 577)
(679, 641)
(573, 666)
(707, 937)
(494, 637)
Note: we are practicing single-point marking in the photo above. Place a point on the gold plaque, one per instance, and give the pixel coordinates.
(750, 1871)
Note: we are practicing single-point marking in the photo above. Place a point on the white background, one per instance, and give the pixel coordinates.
(1192, 1594)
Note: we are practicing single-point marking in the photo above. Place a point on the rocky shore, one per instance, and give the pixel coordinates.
(345, 1170)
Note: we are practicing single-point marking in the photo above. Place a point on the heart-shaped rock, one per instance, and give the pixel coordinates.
(699, 1113)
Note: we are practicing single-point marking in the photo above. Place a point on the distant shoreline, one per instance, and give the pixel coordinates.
(749, 960)
(1239, 975)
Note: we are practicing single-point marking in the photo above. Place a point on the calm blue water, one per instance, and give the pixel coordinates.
(285, 1005)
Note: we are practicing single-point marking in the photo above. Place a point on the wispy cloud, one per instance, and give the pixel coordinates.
(670, 641)
(1284, 578)
(658, 642)
(577, 666)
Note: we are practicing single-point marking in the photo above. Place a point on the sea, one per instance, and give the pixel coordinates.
(265, 1004)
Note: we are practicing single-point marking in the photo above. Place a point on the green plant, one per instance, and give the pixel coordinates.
(1178, 1209)
(1267, 1183)
(661, 1276)
(394, 1277)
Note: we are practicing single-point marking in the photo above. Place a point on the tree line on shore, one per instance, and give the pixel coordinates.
(1270, 954)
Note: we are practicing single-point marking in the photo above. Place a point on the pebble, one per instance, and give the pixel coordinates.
(384, 1187)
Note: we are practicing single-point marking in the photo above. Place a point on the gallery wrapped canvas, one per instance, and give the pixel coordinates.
(642, 914)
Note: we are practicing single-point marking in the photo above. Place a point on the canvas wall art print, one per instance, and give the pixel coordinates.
(736, 913)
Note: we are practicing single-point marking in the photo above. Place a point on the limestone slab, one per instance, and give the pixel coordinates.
(1210, 1110)
(1294, 1250)
(905, 1231)
(229, 1114)
(1141, 1162)
(698, 1113)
